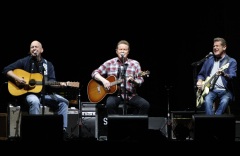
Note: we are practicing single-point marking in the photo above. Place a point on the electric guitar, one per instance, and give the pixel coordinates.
(96, 91)
(34, 83)
(201, 93)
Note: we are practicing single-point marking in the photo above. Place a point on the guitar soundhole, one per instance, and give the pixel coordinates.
(32, 82)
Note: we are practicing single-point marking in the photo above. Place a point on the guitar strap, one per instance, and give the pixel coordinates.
(215, 79)
(45, 73)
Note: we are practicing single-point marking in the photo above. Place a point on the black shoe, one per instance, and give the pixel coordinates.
(65, 135)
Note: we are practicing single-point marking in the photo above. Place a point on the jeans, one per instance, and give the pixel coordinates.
(58, 102)
(225, 98)
(141, 105)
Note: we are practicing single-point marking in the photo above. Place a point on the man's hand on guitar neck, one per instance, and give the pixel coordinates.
(63, 84)
(131, 80)
(200, 84)
(221, 73)
(59, 85)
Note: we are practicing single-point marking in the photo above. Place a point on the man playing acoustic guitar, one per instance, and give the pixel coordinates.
(126, 74)
(28, 76)
(215, 79)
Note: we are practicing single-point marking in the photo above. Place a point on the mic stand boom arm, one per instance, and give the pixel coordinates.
(199, 62)
(202, 60)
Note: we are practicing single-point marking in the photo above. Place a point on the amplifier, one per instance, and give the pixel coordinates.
(88, 119)
(73, 122)
(94, 121)
(88, 109)
(14, 119)
(181, 124)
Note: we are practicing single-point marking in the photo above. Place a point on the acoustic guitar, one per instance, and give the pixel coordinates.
(34, 83)
(96, 91)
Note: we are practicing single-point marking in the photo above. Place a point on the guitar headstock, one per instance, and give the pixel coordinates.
(144, 73)
(224, 67)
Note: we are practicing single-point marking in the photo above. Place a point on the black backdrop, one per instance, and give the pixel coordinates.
(166, 39)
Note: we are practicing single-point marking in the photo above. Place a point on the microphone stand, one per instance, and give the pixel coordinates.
(194, 83)
(169, 122)
(124, 87)
(202, 60)
(195, 65)
(39, 65)
(79, 111)
(199, 62)
(43, 88)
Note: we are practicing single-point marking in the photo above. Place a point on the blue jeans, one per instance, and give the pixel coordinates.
(225, 98)
(59, 102)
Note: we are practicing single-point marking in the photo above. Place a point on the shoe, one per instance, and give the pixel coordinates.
(65, 135)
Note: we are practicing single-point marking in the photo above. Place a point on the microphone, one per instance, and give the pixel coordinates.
(35, 53)
(208, 55)
(122, 54)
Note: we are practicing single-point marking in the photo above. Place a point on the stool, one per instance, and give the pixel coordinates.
(215, 105)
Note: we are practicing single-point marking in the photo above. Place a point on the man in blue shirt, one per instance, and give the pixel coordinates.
(215, 79)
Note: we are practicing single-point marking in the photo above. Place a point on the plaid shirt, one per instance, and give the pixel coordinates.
(112, 68)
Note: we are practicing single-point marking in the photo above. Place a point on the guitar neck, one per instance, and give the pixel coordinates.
(48, 83)
(115, 82)
(209, 80)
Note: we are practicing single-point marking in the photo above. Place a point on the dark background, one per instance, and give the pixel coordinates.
(166, 38)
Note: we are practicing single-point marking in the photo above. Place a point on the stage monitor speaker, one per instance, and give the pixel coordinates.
(42, 128)
(158, 123)
(214, 127)
(127, 127)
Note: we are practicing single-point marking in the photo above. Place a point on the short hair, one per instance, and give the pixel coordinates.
(222, 40)
(123, 42)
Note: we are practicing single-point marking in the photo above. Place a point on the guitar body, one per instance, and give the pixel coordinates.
(201, 95)
(96, 90)
(16, 90)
